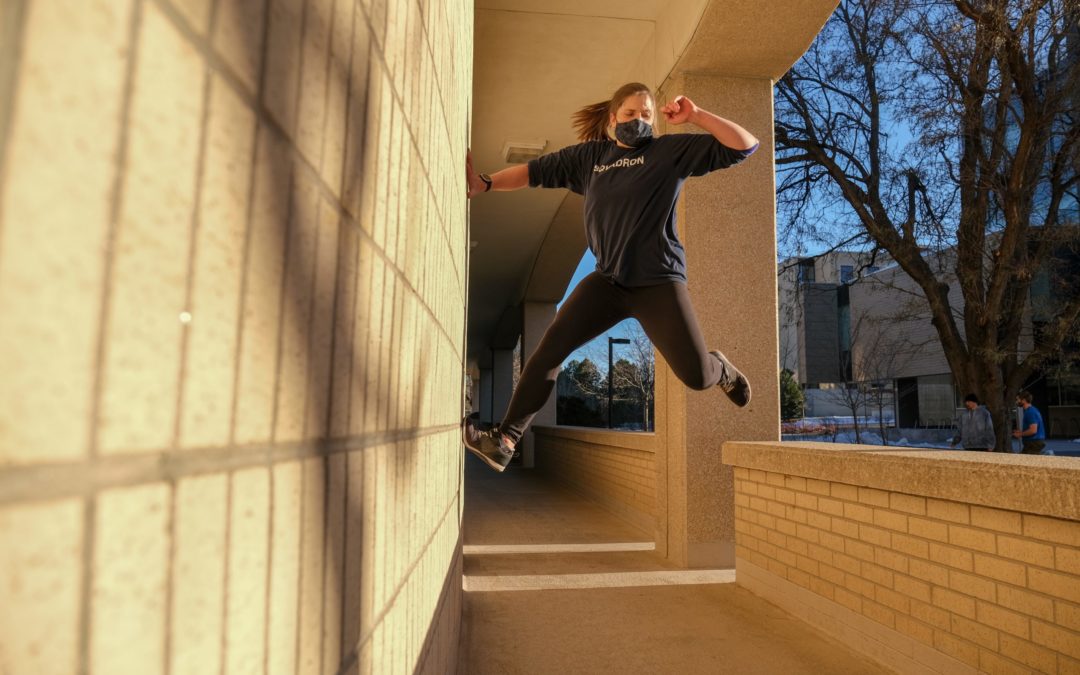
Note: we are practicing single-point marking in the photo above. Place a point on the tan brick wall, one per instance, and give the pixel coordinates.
(617, 470)
(995, 589)
(232, 292)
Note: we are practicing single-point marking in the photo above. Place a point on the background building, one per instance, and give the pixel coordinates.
(841, 328)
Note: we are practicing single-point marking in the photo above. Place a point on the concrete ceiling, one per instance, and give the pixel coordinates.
(535, 63)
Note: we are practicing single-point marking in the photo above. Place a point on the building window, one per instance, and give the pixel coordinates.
(806, 271)
(847, 273)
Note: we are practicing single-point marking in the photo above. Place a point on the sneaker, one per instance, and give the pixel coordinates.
(733, 382)
(487, 444)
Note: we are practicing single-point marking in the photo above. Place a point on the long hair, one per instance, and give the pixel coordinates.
(591, 122)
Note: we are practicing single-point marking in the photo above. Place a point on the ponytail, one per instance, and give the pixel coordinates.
(591, 122)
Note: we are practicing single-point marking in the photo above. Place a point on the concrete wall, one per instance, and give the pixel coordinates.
(615, 469)
(232, 268)
(727, 222)
(929, 562)
(890, 313)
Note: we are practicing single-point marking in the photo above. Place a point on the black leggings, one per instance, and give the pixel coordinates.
(664, 312)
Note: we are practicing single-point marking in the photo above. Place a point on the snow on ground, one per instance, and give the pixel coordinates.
(865, 438)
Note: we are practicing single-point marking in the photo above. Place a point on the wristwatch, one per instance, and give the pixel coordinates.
(487, 182)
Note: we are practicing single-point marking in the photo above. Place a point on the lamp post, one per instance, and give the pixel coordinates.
(611, 341)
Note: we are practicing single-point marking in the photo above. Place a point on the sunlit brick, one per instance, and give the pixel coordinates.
(131, 551)
(1052, 529)
(152, 242)
(1026, 550)
(198, 578)
(41, 551)
(60, 151)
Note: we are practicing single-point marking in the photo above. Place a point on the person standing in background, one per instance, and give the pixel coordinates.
(1031, 433)
(974, 426)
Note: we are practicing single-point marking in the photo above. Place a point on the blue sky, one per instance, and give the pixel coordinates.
(587, 265)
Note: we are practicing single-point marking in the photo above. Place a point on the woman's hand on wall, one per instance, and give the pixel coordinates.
(511, 178)
(472, 178)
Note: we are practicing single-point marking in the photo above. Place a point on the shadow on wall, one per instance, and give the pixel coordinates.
(331, 370)
(302, 399)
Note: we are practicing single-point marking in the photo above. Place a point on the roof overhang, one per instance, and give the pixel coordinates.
(535, 63)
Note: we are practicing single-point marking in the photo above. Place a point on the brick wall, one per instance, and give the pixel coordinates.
(923, 584)
(232, 291)
(615, 469)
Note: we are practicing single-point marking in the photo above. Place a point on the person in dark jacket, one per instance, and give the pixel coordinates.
(631, 182)
(974, 426)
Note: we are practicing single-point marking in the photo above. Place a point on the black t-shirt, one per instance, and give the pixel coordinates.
(630, 196)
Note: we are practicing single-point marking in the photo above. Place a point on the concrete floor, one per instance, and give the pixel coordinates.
(554, 584)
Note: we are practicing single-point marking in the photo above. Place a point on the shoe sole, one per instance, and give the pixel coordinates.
(730, 394)
(487, 460)
(742, 404)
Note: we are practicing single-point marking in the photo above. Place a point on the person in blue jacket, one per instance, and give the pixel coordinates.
(1032, 432)
(631, 180)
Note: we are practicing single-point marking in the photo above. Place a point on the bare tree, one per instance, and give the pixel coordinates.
(854, 397)
(639, 380)
(917, 128)
(877, 353)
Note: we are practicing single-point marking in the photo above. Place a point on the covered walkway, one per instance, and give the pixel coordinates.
(554, 584)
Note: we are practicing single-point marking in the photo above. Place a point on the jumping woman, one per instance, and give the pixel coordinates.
(631, 181)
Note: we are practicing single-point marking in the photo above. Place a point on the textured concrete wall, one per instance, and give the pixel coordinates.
(929, 563)
(727, 221)
(614, 469)
(232, 268)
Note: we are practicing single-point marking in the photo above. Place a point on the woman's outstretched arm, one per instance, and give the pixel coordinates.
(682, 110)
(512, 178)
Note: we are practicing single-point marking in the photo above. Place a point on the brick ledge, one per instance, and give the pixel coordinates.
(629, 440)
(1042, 485)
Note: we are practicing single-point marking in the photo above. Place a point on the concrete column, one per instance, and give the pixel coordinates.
(486, 395)
(537, 316)
(474, 392)
(502, 381)
(727, 223)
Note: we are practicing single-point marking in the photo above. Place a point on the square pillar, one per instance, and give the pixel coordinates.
(486, 396)
(536, 317)
(474, 392)
(502, 381)
(727, 222)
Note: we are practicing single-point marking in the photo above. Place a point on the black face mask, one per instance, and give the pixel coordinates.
(635, 133)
